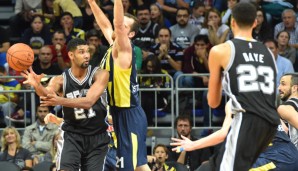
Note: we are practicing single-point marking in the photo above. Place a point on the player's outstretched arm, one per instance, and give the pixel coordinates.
(34, 80)
(288, 113)
(211, 140)
(101, 80)
(102, 21)
(122, 40)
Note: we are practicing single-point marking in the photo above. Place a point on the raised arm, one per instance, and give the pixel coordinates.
(101, 80)
(122, 40)
(102, 21)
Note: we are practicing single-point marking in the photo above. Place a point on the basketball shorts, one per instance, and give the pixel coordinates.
(249, 135)
(81, 152)
(130, 125)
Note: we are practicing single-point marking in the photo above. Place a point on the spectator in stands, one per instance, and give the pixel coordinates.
(290, 25)
(145, 37)
(170, 7)
(50, 156)
(183, 32)
(108, 6)
(263, 30)
(128, 8)
(8, 101)
(197, 15)
(12, 150)
(283, 64)
(37, 136)
(284, 49)
(216, 31)
(152, 66)
(48, 12)
(88, 17)
(37, 35)
(195, 60)
(69, 6)
(24, 11)
(192, 159)
(161, 154)
(44, 63)
(157, 16)
(227, 14)
(59, 51)
(4, 46)
(170, 54)
(97, 50)
(70, 31)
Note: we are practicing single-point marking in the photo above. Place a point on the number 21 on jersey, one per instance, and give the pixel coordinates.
(79, 112)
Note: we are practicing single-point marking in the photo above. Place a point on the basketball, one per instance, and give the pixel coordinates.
(20, 56)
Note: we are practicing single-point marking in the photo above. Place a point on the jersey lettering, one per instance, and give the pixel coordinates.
(80, 112)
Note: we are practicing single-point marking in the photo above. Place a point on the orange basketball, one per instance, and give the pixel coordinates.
(20, 56)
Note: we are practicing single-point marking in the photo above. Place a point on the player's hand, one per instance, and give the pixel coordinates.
(50, 100)
(51, 118)
(31, 77)
(151, 159)
(183, 144)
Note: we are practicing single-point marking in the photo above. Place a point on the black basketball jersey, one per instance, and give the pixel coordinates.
(78, 120)
(293, 132)
(145, 38)
(249, 79)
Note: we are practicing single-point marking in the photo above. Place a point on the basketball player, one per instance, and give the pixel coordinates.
(288, 91)
(249, 72)
(280, 155)
(84, 140)
(129, 119)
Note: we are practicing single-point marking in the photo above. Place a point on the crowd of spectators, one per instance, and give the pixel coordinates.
(174, 38)
(179, 34)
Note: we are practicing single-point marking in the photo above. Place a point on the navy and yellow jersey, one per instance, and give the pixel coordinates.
(77, 120)
(123, 86)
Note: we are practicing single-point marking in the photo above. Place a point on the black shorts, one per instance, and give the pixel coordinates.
(83, 152)
(249, 135)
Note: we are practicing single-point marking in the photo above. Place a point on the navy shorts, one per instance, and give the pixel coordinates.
(130, 125)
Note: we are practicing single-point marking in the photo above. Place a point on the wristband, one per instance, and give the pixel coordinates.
(179, 150)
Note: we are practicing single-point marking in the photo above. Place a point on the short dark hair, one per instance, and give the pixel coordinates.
(163, 146)
(66, 13)
(244, 14)
(73, 43)
(294, 78)
(135, 26)
(142, 8)
(201, 37)
(165, 28)
(183, 9)
(93, 32)
(271, 40)
(183, 118)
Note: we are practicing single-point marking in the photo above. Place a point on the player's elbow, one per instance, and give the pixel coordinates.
(213, 103)
(87, 104)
